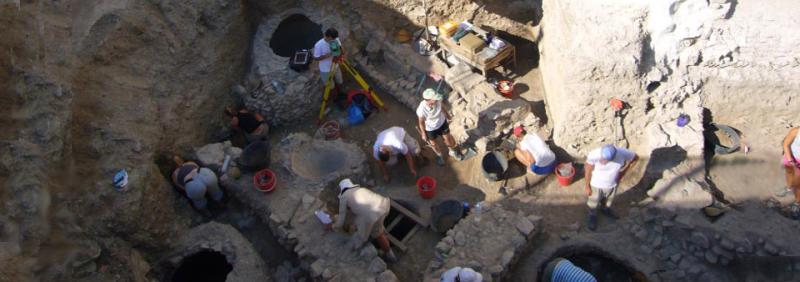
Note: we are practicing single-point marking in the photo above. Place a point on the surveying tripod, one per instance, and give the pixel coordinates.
(329, 85)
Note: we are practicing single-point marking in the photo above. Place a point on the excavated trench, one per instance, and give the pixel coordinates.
(205, 265)
(602, 265)
(294, 33)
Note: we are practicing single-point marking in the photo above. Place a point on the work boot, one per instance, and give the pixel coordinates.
(783, 192)
(610, 213)
(456, 155)
(440, 160)
(592, 221)
(390, 257)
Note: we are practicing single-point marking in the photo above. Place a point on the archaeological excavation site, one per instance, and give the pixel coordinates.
(391, 140)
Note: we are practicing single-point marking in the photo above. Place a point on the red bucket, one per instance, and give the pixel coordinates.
(506, 88)
(565, 178)
(426, 186)
(264, 180)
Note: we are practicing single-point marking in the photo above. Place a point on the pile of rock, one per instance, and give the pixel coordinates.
(489, 242)
(691, 251)
(213, 155)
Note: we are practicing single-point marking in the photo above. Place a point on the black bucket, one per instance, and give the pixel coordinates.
(445, 215)
(494, 165)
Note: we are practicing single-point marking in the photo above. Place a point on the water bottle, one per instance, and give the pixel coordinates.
(277, 87)
(478, 209)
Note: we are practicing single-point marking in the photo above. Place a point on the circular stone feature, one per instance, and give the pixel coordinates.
(318, 162)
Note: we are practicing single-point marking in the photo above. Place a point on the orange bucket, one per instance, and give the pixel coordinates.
(506, 88)
(264, 180)
(426, 186)
(564, 173)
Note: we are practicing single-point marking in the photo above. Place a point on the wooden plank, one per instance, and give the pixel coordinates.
(396, 242)
(408, 213)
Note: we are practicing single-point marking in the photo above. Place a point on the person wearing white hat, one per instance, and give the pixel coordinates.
(458, 274)
(605, 166)
(369, 211)
(433, 122)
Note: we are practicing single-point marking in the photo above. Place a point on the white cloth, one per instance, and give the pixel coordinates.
(392, 138)
(369, 210)
(795, 146)
(466, 275)
(322, 48)
(434, 116)
(540, 151)
(604, 176)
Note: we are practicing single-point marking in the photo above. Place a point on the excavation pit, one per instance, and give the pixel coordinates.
(203, 266)
(294, 33)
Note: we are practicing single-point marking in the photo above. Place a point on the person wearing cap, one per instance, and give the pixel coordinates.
(459, 274)
(605, 166)
(533, 152)
(433, 122)
(563, 270)
(392, 142)
(369, 211)
(197, 182)
(325, 51)
(253, 125)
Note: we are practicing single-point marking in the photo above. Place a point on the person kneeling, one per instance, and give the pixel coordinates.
(534, 153)
(392, 142)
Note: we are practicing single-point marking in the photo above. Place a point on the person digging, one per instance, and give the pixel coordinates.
(326, 50)
(197, 183)
(605, 167)
(252, 125)
(433, 122)
(369, 211)
(791, 165)
(391, 143)
(533, 152)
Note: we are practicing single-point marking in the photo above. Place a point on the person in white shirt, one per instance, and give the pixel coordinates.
(532, 152)
(605, 166)
(433, 122)
(392, 142)
(458, 274)
(325, 51)
(369, 211)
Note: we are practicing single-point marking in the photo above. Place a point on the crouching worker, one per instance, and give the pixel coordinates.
(252, 125)
(369, 210)
(391, 143)
(196, 183)
(533, 152)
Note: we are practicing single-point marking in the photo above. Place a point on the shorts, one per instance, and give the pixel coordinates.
(337, 76)
(442, 130)
(786, 161)
(202, 184)
(543, 170)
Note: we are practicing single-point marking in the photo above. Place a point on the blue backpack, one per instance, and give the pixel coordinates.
(354, 114)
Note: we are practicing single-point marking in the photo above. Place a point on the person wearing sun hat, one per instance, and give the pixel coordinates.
(369, 210)
(434, 122)
(533, 152)
(605, 166)
(461, 274)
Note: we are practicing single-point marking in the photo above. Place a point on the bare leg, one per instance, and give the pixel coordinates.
(522, 157)
(449, 141)
(435, 146)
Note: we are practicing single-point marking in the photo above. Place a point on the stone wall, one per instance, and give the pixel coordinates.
(490, 243)
(666, 58)
(98, 86)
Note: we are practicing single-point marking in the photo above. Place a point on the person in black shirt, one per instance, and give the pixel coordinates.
(252, 125)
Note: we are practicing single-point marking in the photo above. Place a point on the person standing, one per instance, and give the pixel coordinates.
(433, 122)
(369, 211)
(533, 152)
(391, 143)
(326, 50)
(791, 165)
(605, 166)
